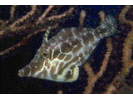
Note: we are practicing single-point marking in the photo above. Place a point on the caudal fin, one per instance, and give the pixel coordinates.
(108, 26)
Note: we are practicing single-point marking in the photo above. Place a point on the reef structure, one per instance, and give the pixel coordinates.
(33, 23)
(108, 72)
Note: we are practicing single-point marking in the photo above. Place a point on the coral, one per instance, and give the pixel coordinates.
(92, 77)
(126, 59)
(108, 70)
(29, 26)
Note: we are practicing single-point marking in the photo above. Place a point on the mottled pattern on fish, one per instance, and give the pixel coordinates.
(58, 58)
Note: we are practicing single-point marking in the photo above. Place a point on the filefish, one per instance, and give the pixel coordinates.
(58, 59)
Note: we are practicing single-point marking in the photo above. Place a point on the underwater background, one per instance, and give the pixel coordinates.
(11, 62)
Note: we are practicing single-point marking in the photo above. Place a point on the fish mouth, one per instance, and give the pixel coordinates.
(21, 73)
(24, 72)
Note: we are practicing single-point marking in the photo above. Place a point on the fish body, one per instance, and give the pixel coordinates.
(59, 58)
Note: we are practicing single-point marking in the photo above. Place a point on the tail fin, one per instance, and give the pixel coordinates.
(108, 26)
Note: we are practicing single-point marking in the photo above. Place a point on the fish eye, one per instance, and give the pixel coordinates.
(44, 54)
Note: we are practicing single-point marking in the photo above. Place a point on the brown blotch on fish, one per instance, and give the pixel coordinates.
(36, 67)
(66, 47)
(47, 64)
(60, 67)
(68, 57)
(56, 52)
(85, 40)
(53, 69)
(67, 33)
(75, 42)
(77, 47)
(61, 56)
